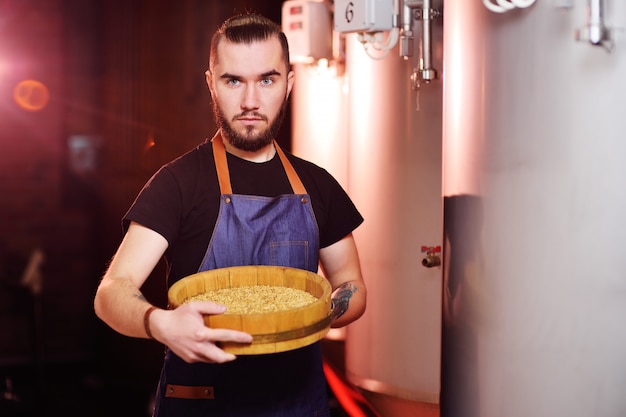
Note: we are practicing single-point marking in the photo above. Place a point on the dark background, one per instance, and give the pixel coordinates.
(127, 75)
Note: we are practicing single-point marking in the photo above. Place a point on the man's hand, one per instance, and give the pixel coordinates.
(184, 332)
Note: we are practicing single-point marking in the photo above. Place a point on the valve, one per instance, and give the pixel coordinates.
(432, 257)
(430, 261)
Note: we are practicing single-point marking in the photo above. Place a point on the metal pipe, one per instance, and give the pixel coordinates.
(596, 22)
(406, 34)
(428, 73)
(596, 32)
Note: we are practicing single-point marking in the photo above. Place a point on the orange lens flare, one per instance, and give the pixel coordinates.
(31, 95)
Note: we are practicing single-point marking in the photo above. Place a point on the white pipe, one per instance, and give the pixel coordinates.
(522, 3)
(596, 32)
(494, 7)
(596, 22)
(502, 6)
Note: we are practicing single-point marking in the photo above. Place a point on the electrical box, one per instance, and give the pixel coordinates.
(363, 15)
(308, 27)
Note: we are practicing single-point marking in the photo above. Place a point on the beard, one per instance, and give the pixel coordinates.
(249, 141)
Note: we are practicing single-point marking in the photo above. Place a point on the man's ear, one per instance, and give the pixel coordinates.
(290, 80)
(209, 81)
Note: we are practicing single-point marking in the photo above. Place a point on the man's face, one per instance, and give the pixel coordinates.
(250, 85)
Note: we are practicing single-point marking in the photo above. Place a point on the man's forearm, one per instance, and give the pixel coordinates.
(122, 306)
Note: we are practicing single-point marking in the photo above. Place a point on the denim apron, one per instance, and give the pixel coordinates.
(253, 230)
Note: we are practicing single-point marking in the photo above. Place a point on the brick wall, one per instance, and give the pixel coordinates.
(123, 74)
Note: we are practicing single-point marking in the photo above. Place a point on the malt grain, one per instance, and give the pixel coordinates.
(256, 299)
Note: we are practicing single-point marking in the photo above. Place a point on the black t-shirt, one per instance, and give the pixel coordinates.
(181, 202)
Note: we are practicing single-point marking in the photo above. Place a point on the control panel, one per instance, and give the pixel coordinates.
(363, 15)
(308, 27)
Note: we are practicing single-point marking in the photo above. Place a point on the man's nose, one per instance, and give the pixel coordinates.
(250, 97)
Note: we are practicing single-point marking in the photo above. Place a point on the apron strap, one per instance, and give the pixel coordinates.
(219, 154)
(223, 175)
(294, 179)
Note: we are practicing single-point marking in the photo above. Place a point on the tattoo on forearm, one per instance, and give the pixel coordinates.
(341, 300)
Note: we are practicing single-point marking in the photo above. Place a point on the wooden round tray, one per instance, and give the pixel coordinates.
(274, 331)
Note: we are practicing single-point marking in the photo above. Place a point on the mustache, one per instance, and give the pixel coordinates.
(250, 114)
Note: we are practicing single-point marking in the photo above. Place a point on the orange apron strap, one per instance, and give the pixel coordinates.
(219, 154)
(294, 179)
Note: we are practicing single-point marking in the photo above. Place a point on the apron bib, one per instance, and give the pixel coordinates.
(253, 230)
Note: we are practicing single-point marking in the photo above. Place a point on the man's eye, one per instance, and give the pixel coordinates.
(267, 81)
(233, 82)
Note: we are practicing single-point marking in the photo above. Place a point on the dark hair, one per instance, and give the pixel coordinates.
(248, 28)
